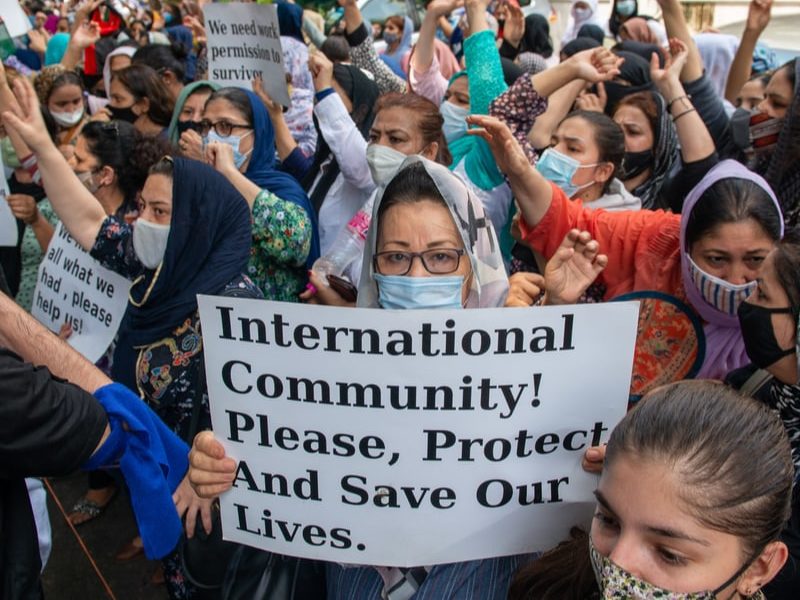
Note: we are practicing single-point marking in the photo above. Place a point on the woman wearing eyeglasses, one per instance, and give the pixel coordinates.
(240, 144)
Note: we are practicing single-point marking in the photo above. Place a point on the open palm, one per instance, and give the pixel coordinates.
(573, 268)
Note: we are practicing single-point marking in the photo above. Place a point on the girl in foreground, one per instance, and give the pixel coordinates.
(694, 493)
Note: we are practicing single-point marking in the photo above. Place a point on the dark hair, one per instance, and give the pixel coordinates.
(160, 57)
(336, 48)
(238, 98)
(615, 22)
(786, 260)
(164, 166)
(410, 184)
(645, 102)
(66, 78)
(731, 456)
(397, 21)
(143, 82)
(131, 154)
(426, 115)
(790, 68)
(607, 135)
(732, 200)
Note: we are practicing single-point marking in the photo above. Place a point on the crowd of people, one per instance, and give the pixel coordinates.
(485, 164)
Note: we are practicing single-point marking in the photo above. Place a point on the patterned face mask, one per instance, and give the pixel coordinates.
(616, 583)
(725, 297)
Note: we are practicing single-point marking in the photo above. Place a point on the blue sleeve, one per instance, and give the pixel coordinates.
(297, 164)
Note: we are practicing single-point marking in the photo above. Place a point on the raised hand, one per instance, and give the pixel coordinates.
(273, 108)
(669, 75)
(596, 64)
(191, 145)
(85, 35)
(514, 27)
(758, 15)
(321, 71)
(573, 268)
(220, 156)
(593, 102)
(440, 8)
(508, 154)
(26, 118)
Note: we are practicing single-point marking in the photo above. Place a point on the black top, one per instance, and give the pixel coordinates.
(47, 427)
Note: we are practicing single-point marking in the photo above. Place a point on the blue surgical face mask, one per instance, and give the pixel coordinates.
(455, 124)
(625, 8)
(234, 141)
(560, 169)
(390, 38)
(402, 291)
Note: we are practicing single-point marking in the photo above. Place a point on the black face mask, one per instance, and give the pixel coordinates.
(759, 336)
(123, 114)
(635, 163)
(188, 126)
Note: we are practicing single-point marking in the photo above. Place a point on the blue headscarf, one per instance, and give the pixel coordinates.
(261, 169)
(208, 246)
(56, 48)
(290, 20)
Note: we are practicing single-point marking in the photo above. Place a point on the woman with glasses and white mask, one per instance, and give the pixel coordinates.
(240, 143)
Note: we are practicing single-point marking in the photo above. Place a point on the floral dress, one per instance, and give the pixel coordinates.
(282, 233)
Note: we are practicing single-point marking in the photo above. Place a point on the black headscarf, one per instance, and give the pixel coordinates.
(642, 49)
(537, 36)
(593, 31)
(579, 44)
(363, 94)
(511, 70)
(634, 76)
(208, 246)
(783, 171)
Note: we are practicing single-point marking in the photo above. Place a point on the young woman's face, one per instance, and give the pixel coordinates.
(778, 95)
(119, 62)
(458, 93)
(751, 95)
(392, 29)
(636, 127)
(221, 110)
(770, 294)
(397, 128)
(642, 523)
(734, 252)
(193, 107)
(119, 96)
(420, 226)
(155, 200)
(65, 98)
(575, 138)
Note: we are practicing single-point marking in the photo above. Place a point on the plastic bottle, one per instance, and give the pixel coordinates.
(348, 247)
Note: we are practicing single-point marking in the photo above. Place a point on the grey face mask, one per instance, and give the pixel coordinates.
(150, 242)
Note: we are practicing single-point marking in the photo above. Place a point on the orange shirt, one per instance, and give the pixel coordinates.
(643, 246)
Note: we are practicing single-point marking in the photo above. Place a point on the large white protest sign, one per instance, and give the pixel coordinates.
(244, 41)
(74, 288)
(411, 437)
(14, 18)
(9, 234)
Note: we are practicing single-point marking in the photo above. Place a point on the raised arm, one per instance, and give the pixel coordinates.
(284, 142)
(80, 212)
(676, 26)
(532, 191)
(758, 16)
(423, 54)
(83, 36)
(695, 140)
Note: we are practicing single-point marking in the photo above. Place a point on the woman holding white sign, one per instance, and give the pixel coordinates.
(430, 246)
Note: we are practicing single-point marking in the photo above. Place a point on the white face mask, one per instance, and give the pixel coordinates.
(87, 179)
(383, 162)
(68, 119)
(455, 124)
(150, 242)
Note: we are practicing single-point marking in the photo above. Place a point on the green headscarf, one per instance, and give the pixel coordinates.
(188, 90)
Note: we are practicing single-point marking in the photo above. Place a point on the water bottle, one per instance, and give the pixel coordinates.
(348, 247)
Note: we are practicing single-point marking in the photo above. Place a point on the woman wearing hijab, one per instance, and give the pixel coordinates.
(592, 31)
(710, 255)
(397, 33)
(192, 237)
(636, 29)
(184, 127)
(535, 39)
(240, 143)
(582, 12)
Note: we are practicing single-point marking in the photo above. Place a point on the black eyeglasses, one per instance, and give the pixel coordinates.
(439, 261)
(223, 128)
